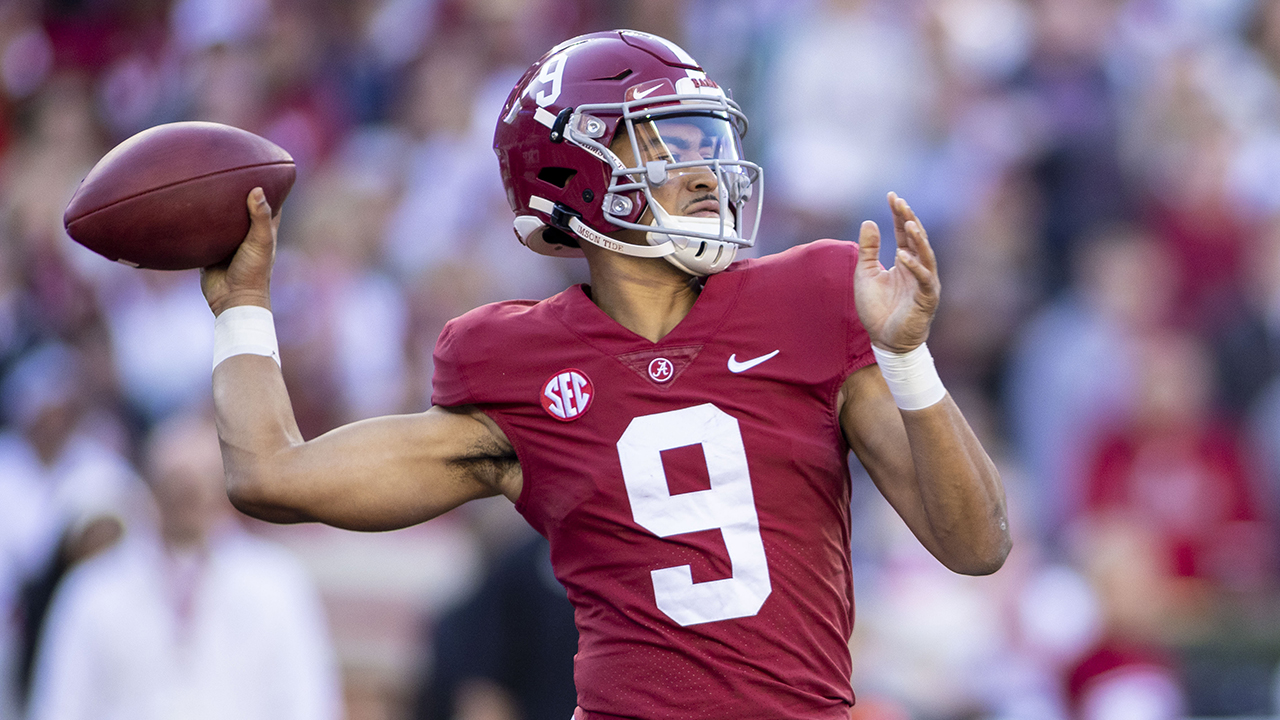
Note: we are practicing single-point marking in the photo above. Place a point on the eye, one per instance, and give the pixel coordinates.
(657, 151)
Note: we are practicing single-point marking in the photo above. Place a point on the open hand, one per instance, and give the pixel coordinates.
(246, 278)
(896, 305)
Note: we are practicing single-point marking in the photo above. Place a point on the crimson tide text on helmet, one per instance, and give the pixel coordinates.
(566, 185)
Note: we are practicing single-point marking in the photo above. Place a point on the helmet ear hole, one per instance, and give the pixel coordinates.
(556, 236)
(558, 176)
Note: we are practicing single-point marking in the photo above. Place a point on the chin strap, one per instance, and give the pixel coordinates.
(584, 232)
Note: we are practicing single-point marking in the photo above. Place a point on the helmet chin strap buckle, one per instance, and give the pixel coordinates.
(562, 217)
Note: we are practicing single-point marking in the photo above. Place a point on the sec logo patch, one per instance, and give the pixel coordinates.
(567, 394)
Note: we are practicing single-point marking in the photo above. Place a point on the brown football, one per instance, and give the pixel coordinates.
(173, 196)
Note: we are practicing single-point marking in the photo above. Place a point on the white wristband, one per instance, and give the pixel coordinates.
(911, 377)
(244, 330)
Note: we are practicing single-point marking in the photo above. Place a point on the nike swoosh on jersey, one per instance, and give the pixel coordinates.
(737, 367)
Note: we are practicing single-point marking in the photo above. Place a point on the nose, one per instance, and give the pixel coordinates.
(700, 179)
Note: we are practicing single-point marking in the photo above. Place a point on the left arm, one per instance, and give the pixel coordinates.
(931, 468)
(927, 462)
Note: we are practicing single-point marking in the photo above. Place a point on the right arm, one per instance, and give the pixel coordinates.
(378, 474)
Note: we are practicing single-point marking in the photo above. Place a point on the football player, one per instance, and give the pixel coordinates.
(678, 428)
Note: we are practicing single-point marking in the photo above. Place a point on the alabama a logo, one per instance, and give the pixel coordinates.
(567, 394)
(661, 369)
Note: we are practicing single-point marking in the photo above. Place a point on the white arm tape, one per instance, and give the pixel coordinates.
(244, 330)
(911, 377)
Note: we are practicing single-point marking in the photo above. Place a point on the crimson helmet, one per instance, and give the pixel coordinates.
(566, 185)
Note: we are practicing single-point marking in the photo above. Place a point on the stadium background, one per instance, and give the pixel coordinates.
(1101, 179)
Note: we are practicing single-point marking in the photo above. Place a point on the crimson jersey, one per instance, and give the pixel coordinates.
(695, 491)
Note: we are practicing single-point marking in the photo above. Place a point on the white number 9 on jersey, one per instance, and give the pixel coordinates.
(728, 505)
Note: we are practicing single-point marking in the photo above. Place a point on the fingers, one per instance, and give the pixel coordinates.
(246, 278)
(869, 245)
(918, 259)
(901, 214)
(261, 222)
(910, 233)
(924, 276)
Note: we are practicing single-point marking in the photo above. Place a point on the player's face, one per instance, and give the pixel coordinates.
(691, 190)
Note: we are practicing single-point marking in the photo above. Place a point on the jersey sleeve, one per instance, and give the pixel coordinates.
(448, 383)
(473, 353)
(831, 266)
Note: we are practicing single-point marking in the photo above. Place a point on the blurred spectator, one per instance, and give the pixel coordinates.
(14, 327)
(453, 212)
(1245, 333)
(980, 130)
(1075, 126)
(1199, 117)
(506, 652)
(1129, 673)
(741, 45)
(1247, 347)
(64, 486)
(990, 260)
(79, 542)
(57, 145)
(930, 644)
(194, 618)
(197, 24)
(1198, 531)
(1177, 469)
(160, 332)
(925, 637)
(346, 314)
(1073, 369)
(851, 91)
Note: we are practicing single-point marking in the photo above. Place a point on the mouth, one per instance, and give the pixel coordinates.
(703, 207)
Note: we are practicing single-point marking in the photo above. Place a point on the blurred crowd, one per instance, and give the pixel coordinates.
(1100, 178)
